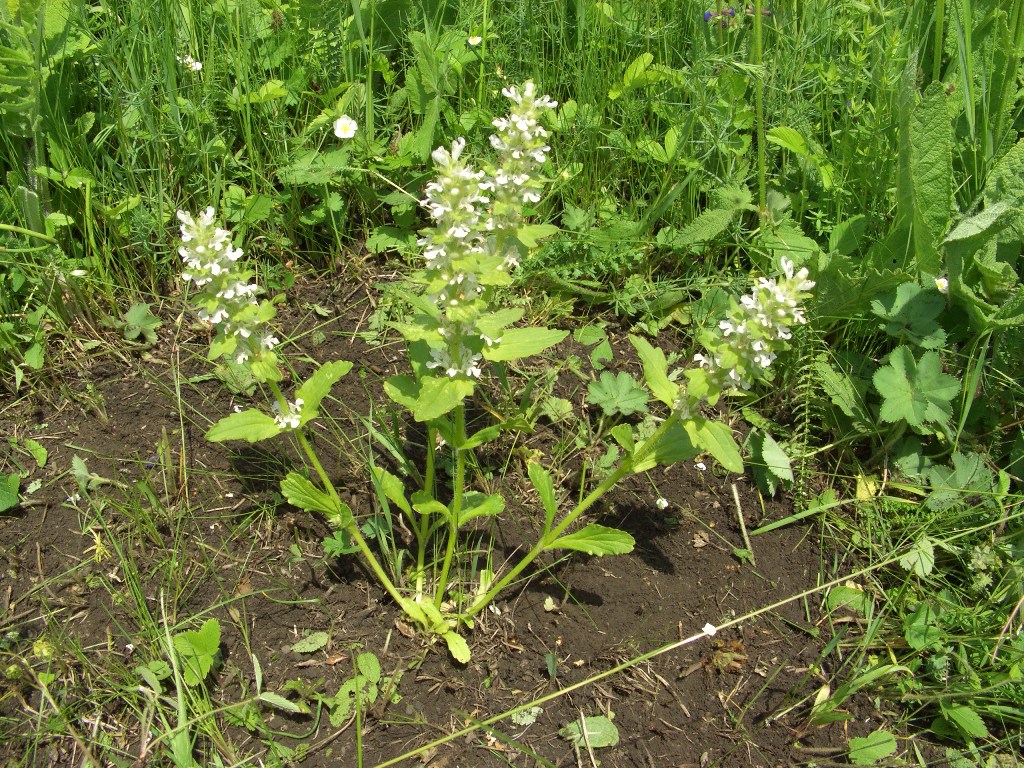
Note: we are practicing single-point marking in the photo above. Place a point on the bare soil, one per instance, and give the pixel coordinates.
(214, 539)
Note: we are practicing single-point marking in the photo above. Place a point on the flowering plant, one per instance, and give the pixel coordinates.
(479, 233)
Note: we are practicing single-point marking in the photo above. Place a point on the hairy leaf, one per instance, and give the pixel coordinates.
(915, 390)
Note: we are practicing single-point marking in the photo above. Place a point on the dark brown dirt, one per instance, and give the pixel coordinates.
(205, 534)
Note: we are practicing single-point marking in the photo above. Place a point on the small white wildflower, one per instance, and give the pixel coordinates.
(942, 285)
(475, 40)
(290, 419)
(661, 503)
(189, 63)
(345, 127)
(701, 466)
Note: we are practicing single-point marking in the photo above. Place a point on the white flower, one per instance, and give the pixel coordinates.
(710, 629)
(701, 466)
(189, 63)
(475, 40)
(942, 285)
(291, 418)
(661, 503)
(345, 127)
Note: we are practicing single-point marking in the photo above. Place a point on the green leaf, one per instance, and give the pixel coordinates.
(919, 628)
(965, 719)
(788, 138)
(600, 732)
(656, 371)
(675, 445)
(517, 343)
(856, 600)
(847, 236)
(716, 438)
(277, 701)
(476, 504)
(545, 487)
(9, 487)
(312, 642)
(457, 647)
(404, 390)
(915, 391)
(920, 559)
(843, 391)
(872, 748)
(369, 666)
(440, 395)
(425, 504)
(772, 465)
(249, 425)
(531, 234)
(911, 314)
(595, 539)
(318, 385)
(392, 487)
(198, 650)
(301, 493)
(617, 394)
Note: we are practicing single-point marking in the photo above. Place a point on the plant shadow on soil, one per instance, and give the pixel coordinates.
(223, 545)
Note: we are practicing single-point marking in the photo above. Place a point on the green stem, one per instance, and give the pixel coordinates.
(423, 527)
(352, 529)
(940, 22)
(28, 232)
(456, 507)
(759, 108)
(549, 537)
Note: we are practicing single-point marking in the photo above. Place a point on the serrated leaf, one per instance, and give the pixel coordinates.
(872, 748)
(842, 391)
(517, 343)
(312, 642)
(617, 394)
(318, 385)
(595, 539)
(965, 719)
(772, 464)
(369, 666)
(915, 390)
(919, 628)
(921, 559)
(531, 234)
(856, 600)
(198, 650)
(788, 138)
(249, 425)
(600, 732)
(911, 313)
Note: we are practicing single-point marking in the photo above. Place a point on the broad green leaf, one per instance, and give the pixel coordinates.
(457, 647)
(715, 438)
(675, 445)
(198, 650)
(404, 390)
(485, 435)
(788, 138)
(853, 599)
(931, 170)
(910, 313)
(369, 666)
(425, 504)
(595, 539)
(965, 719)
(600, 732)
(617, 394)
(847, 236)
(772, 465)
(249, 425)
(920, 559)
(919, 628)
(392, 487)
(440, 395)
(312, 642)
(9, 487)
(656, 371)
(301, 493)
(531, 234)
(843, 392)
(476, 504)
(872, 748)
(318, 385)
(915, 391)
(545, 487)
(517, 343)
(277, 701)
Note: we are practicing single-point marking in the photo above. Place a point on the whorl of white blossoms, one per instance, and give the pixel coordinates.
(522, 147)
(755, 328)
(475, 215)
(226, 298)
(290, 418)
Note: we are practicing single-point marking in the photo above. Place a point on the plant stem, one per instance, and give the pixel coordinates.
(940, 22)
(351, 528)
(456, 507)
(625, 468)
(759, 108)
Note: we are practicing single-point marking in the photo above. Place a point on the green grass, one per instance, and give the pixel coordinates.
(671, 179)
